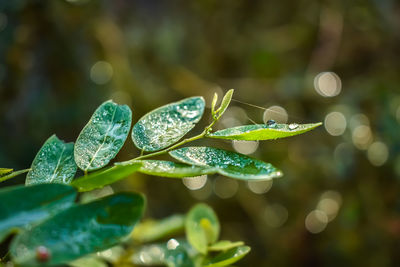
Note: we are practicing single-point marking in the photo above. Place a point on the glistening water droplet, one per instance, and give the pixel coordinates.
(271, 123)
(293, 126)
(42, 254)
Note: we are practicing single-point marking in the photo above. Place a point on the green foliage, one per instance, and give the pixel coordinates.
(103, 136)
(164, 126)
(23, 206)
(54, 163)
(231, 164)
(52, 230)
(102, 178)
(202, 227)
(263, 132)
(80, 230)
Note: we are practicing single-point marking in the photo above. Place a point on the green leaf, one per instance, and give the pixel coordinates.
(103, 136)
(4, 171)
(202, 227)
(213, 104)
(224, 245)
(79, 231)
(88, 261)
(164, 126)
(176, 254)
(13, 174)
(231, 164)
(225, 102)
(228, 257)
(172, 169)
(54, 163)
(263, 131)
(151, 230)
(102, 178)
(21, 206)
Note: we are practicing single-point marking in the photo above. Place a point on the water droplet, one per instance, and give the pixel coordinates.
(293, 126)
(42, 254)
(271, 123)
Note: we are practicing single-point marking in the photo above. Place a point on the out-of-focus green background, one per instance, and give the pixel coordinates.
(338, 62)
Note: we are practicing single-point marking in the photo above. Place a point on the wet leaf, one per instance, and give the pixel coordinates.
(13, 174)
(231, 164)
(172, 169)
(151, 230)
(4, 171)
(79, 231)
(225, 102)
(263, 131)
(224, 245)
(181, 255)
(228, 257)
(102, 178)
(164, 126)
(202, 227)
(54, 163)
(103, 136)
(21, 206)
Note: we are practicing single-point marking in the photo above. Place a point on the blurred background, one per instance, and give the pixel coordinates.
(303, 61)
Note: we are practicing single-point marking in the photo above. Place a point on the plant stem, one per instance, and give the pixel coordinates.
(13, 174)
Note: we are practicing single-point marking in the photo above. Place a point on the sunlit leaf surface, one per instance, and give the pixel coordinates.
(172, 169)
(229, 163)
(103, 136)
(80, 230)
(164, 126)
(263, 131)
(4, 171)
(224, 245)
(228, 257)
(151, 230)
(202, 227)
(54, 163)
(21, 206)
(102, 178)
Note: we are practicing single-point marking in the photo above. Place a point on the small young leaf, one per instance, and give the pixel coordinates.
(228, 257)
(164, 126)
(21, 206)
(202, 227)
(13, 174)
(223, 245)
(225, 102)
(4, 171)
(103, 136)
(228, 163)
(263, 131)
(102, 178)
(79, 231)
(54, 163)
(213, 103)
(150, 230)
(172, 169)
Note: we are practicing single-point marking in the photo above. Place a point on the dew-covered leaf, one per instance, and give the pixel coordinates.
(228, 257)
(103, 136)
(202, 227)
(152, 230)
(231, 164)
(13, 174)
(102, 178)
(164, 126)
(79, 231)
(4, 171)
(54, 163)
(174, 253)
(173, 169)
(225, 102)
(22, 206)
(224, 245)
(263, 131)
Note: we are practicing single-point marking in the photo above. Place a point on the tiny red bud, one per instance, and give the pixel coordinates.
(42, 254)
